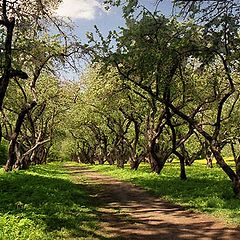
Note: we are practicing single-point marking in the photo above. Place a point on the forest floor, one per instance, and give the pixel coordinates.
(129, 212)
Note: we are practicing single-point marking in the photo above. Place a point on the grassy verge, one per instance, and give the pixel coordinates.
(206, 190)
(45, 203)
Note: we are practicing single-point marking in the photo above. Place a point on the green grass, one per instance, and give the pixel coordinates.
(206, 190)
(45, 203)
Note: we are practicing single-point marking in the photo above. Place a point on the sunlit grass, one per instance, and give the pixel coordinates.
(45, 203)
(206, 190)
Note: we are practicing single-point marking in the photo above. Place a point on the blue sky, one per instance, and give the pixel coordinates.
(87, 13)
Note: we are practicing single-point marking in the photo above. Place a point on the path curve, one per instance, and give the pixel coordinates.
(129, 212)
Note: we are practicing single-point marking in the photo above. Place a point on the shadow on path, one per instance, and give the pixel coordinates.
(128, 212)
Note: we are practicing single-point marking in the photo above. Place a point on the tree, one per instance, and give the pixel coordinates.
(147, 59)
(17, 16)
(214, 52)
(28, 53)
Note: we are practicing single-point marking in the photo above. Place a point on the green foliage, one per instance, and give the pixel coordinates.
(43, 203)
(186, 71)
(206, 189)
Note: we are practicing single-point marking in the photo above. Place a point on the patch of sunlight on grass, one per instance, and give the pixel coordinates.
(45, 203)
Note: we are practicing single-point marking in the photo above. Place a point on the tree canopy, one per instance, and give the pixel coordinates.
(161, 88)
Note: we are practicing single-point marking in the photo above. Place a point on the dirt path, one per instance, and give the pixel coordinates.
(128, 212)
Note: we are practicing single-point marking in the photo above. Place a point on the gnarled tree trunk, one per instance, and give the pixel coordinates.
(12, 147)
(235, 177)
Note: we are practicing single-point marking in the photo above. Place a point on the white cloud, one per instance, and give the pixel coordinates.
(79, 9)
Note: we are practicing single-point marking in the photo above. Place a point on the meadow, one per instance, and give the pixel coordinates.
(45, 203)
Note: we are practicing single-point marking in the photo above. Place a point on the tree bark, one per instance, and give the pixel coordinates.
(235, 177)
(12, 147)
(135, 162)
(158, 158)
